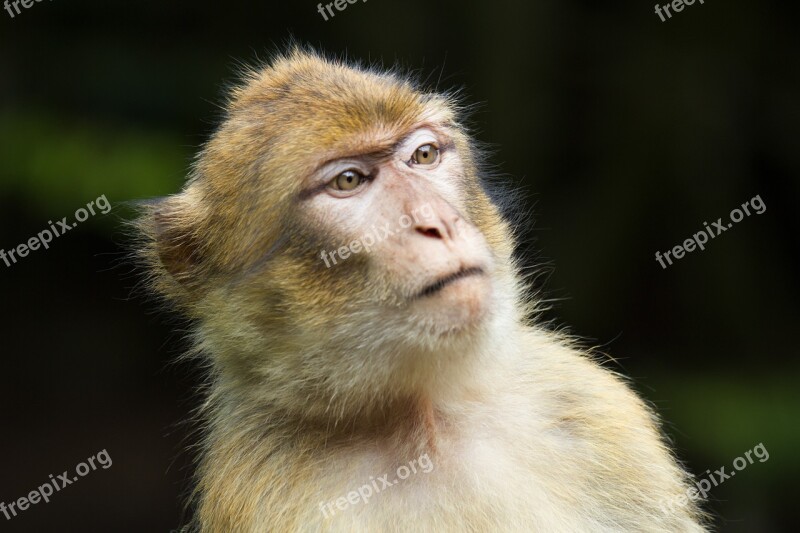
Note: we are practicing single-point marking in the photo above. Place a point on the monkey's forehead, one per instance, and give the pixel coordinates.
(306, 98)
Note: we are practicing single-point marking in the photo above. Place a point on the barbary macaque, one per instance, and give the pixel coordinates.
(325, 378)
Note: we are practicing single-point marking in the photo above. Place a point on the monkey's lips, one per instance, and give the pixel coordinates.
(443, 282)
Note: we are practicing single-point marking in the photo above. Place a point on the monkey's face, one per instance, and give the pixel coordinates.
(394, 229)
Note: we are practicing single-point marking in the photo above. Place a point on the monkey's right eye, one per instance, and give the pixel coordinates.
(348, 180)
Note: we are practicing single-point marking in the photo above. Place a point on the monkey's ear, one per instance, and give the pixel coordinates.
(174, 241)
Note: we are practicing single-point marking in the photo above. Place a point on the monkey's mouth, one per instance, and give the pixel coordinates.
(441, 283)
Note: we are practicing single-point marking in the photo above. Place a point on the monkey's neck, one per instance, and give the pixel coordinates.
(418, 421)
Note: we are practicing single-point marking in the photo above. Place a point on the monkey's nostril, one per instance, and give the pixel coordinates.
(430, 232)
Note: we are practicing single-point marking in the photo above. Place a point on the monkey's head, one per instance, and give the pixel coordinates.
(334, 239)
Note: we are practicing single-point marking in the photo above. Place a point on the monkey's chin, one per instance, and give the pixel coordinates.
(457, 304)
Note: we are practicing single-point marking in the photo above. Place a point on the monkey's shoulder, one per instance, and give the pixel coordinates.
(572, 398)
(579, 422)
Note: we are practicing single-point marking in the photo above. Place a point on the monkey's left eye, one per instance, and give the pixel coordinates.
(427, 154)
(348, 180)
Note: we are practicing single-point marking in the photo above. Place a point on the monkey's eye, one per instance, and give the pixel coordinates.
(427, 154)
(348, 180)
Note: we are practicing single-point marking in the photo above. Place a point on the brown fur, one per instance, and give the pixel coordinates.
(323, 377)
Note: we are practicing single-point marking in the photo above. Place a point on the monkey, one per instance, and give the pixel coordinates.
(332, 380)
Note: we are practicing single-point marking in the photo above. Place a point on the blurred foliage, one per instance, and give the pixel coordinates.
(733, 412)
(58, 164)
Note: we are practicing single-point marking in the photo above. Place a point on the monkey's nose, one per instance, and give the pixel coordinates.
(430, 231)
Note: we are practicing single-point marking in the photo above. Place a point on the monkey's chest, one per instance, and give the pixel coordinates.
(476, 484)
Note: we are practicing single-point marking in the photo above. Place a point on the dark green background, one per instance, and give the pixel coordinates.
(624, 134)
